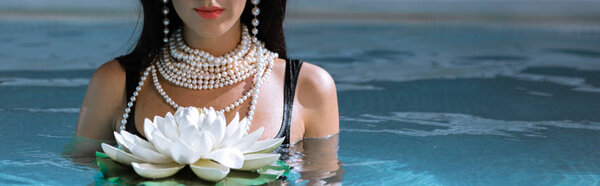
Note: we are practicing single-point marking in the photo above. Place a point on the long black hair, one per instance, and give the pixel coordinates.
(151, 38)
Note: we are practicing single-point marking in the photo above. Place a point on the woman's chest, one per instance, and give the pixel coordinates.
(268, 112)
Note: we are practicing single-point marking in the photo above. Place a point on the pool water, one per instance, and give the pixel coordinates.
(420, 103)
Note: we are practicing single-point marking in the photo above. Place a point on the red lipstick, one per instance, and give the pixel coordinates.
(209, 12)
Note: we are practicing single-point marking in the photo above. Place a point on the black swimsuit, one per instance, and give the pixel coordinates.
(292, 70)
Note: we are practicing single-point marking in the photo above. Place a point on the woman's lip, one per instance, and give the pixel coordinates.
(212, 8)
(209, 12)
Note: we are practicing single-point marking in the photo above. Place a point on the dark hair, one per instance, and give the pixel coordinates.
(151, 39)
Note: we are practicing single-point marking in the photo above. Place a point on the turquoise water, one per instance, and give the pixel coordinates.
(420, 103)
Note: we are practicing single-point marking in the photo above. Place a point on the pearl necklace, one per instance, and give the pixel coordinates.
(182, 51)
(261, 75)
(185, 75)
(201, 70)
(259, 78)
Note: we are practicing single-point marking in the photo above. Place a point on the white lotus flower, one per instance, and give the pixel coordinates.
(202, 140)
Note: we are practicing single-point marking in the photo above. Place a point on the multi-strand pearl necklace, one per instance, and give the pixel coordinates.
(199, 66)
(201, 70)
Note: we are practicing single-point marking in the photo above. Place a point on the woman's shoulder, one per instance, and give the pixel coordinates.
(317, 94)
(312, 79)
(111, 70)
(109, 76)
(316, 81)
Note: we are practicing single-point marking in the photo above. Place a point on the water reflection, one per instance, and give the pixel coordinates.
(314, 161)
(81, 150)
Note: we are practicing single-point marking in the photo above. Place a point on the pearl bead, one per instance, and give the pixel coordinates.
(255, 11)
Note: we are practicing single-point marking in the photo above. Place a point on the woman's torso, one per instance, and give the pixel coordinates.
(273, 111)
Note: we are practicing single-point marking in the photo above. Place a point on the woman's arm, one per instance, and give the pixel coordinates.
(105, 96)
(318, 97)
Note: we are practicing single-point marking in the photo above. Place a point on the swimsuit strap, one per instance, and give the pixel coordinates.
(292, 71)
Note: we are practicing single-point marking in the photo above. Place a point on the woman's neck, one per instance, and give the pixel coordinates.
(216, 46)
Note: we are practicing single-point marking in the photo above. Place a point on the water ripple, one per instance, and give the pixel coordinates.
(451, 124)
(51, 82)
(576, 52)
(63, 110)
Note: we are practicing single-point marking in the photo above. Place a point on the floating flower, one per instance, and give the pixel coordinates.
(201, 140)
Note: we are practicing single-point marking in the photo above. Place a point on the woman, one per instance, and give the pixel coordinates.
(114, 101)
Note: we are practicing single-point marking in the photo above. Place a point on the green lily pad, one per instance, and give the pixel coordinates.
(112, 172)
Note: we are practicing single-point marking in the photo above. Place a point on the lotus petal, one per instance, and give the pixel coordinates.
(167, 126)
(190, 135)
(201, 120)
(244, 123)
(210, 116)
(187, 117)
(256, 161)
(183, 153)
(233, 126)
(248, 140)
(149, 128)
(169, 117)
(119, 140)
(234, 137)
(184, 112)
(206, 143)
(265, 146)
(230, 157)
(220, 121)
(148, 170)
(161, 143)
(209, 170)
(119, 155)
(128, 137)
(146, 154)
(217, 129)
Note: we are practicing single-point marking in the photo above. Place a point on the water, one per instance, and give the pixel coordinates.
(420, 103)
